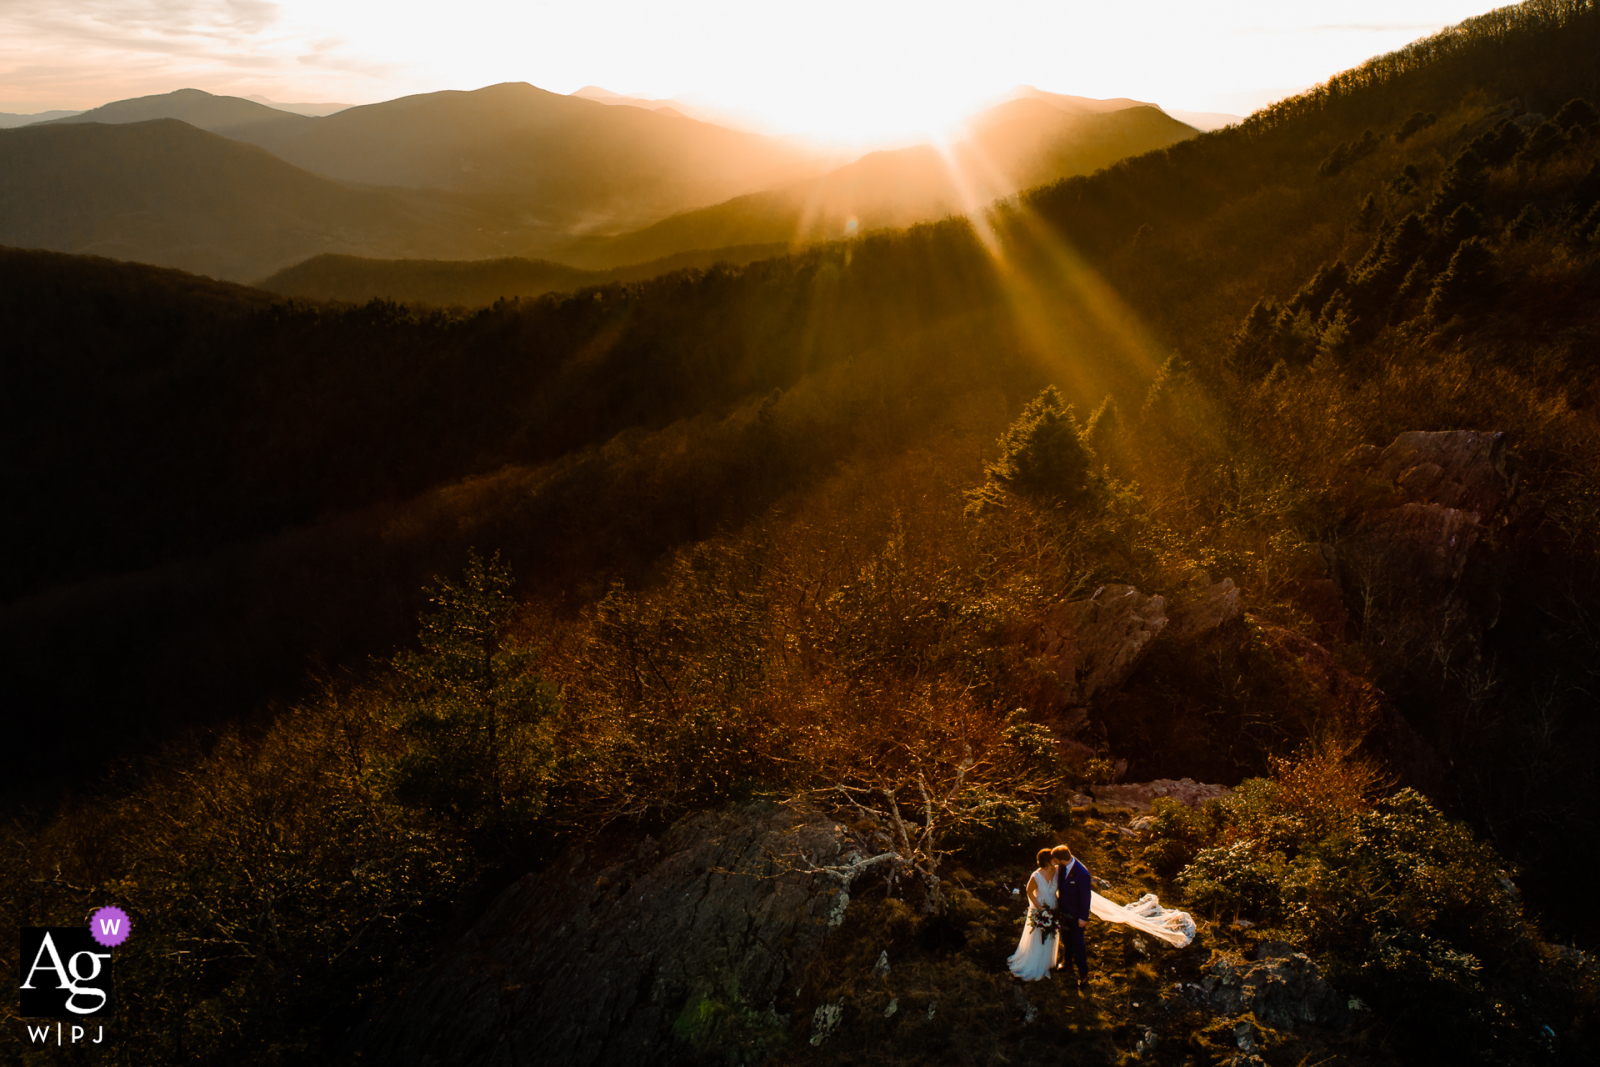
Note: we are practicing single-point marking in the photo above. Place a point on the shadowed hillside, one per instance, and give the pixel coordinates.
(166, 193)
(476, 283)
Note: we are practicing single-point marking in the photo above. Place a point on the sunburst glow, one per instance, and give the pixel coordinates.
(888, 72)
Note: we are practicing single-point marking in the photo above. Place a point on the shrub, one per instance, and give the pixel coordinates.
(1238, 878)
(1418, 121)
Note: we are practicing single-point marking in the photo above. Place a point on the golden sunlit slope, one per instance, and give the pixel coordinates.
(1013, 146)
(559, 163)
(165, 193)
(1076, 105)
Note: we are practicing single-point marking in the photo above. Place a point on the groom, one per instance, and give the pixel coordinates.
(1072, 899)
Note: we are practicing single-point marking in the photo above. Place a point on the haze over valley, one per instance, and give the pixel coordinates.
(509, 170)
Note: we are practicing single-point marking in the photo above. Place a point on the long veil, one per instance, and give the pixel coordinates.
(1170, 925)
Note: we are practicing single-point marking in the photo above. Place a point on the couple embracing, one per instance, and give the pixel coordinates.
(1058, 908)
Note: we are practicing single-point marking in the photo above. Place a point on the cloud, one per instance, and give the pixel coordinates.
(82, 53)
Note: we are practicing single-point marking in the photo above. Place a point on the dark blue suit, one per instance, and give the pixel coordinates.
(1072, 901)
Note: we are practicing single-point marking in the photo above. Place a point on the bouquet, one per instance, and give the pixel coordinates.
(1045, 920)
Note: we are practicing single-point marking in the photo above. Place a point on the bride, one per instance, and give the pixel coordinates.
(1036, 952)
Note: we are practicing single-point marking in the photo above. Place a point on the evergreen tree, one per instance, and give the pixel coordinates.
(1578, 118)
(1379, 275)
(1367, 214)
(1467, 282)
(1102, 433)
(1418, 281)
(1465, 180)
(1464, 222)
(1499, 145)
(1338, 330)
(1546, 140)
(1527, 222)
(1329, 279)
(473, 705)
(1407, 182)
(1043, 458)
(1418, 121)
(1251, 350)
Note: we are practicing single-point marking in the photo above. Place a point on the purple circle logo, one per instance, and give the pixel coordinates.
(110, 926)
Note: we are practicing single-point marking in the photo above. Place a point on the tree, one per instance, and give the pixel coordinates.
(1466, 180)
(1546, 140)
(1368, 214)
(1252, 351)
(474, 709)
(1042, 457)
(1469, 279)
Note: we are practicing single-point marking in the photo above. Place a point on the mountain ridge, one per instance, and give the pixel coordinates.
(200, 109)
(167, 193)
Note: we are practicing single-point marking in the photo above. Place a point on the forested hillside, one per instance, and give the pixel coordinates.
(398, 603)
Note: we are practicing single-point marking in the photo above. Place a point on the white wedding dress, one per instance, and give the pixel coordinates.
(1035, 955)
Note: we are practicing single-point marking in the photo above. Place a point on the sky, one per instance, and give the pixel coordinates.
(825, 69)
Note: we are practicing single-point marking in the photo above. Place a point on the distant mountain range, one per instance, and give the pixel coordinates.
(241, 189)
(166, 193)
(314, 110)
(198, 108)
(560, 162)
(1024, 142)
(9, 121)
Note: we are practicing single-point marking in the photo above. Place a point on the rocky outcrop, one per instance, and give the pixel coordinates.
(1461, 469)
(1202, 607)
(1450, 484)
(1283, 988)
(1141, 796)
(675, 950)
(1091, 646)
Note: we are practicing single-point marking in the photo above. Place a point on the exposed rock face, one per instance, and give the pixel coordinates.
(662, 955)
(1462, 469)
(1284, 989)
(1091, 646)
(1141, 796)
(1423, 541)
(1452, 482)
(1204, 606)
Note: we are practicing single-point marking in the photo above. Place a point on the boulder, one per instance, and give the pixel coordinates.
(1424, 542)
(1091, 646)
(1282, 987)
(675, 950)
(1461, 469)
(1202, 607)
